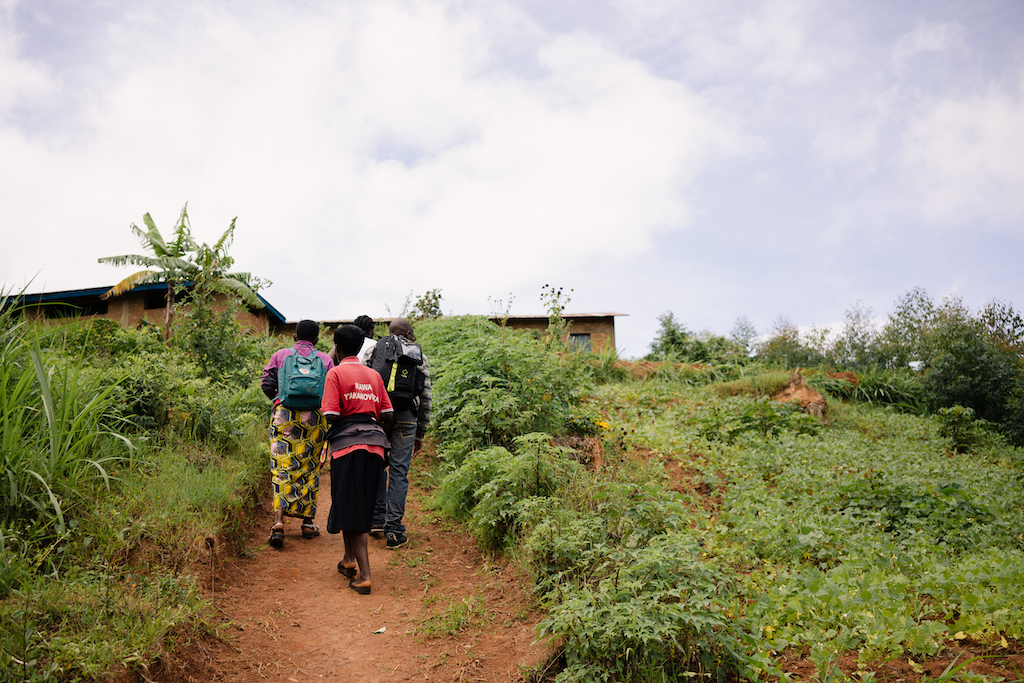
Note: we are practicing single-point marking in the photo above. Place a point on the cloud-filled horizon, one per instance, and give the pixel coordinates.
(780, 159)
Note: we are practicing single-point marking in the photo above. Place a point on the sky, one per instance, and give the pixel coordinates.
(770, 160)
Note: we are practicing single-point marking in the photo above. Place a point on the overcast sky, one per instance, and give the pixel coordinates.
(713, 159)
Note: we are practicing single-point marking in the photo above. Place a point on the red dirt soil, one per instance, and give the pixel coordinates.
(288, 615)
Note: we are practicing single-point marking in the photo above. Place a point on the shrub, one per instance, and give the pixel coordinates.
(958, 425)
(493, 384)
(967, 366)
(660, 615)
(494, 487)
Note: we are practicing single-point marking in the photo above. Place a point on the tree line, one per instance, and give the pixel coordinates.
(948, 354)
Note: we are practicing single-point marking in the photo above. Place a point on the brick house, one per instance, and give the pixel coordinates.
(588, 331)
(146, 304)
(143, 304)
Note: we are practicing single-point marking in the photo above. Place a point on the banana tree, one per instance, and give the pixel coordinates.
(182, 261)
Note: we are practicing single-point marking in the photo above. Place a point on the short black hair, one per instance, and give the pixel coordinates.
(348, 339)
(365, 323)
(307, 330)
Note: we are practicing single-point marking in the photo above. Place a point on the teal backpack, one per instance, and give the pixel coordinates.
(301, 381)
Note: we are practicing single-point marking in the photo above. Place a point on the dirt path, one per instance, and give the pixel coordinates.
(439, 611)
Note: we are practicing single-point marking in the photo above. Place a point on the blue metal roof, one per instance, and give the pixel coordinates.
(70, 295)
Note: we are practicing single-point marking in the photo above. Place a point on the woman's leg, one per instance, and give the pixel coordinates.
(349, 559)
(355, 548)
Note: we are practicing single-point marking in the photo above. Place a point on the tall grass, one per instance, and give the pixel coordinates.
(756, 384)
(57, 441)
(117, 463)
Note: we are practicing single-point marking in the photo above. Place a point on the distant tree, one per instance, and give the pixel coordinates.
(427, 306)
(744, 333)
(902, 340)
(671, 339)
(973, 361)
(784, 348)
(675, 342)
(169, 262)
(180, 262)
(856, 347)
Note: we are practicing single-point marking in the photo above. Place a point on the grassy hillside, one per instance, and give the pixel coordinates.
(675, 521)
(735, 537)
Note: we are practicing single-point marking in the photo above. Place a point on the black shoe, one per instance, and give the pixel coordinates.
(396, 540)
(377, 531)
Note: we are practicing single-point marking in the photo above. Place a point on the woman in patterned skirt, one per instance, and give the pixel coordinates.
(296, 437)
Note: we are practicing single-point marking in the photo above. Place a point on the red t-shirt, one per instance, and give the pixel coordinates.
(352, 388)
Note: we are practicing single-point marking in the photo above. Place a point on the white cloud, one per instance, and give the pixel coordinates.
(22, 83)
(653, 155)
(928, 37)
(772, 41)
(391, 131)
(963, 157)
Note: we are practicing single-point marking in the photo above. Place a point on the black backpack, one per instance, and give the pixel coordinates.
(399, 364)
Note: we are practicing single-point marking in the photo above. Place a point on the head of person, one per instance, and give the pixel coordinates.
(307, 330)
(402, 328)
(348, 339)
(365, 323)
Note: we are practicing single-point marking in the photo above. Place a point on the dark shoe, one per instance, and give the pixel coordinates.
(350, 572)
(276, 536)
(309, 530)
(377, 531)
(396, 540)
(362, 590)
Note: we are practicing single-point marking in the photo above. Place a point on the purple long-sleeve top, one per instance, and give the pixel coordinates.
(302, 347)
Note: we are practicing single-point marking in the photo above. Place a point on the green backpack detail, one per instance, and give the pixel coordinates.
(301, 381)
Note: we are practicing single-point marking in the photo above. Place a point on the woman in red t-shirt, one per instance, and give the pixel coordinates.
(354, 403)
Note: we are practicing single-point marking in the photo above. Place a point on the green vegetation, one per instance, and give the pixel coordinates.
(924, 358)
(783, 535)
(676, 522)
(123, 461)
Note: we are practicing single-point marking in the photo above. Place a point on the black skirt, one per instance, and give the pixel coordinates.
(355, 478)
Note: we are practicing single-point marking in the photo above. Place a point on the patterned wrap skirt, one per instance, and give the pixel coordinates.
(296, 437)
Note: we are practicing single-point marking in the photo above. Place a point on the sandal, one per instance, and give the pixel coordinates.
(362, 590)
(276, 536)
(309, 530)
(350, 572)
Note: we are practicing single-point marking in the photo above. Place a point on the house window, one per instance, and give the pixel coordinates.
(580, 341)
(155, 300)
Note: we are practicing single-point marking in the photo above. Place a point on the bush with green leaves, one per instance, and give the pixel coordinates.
(492, 384)
(900, 389)
(494, 488)
(103, 339)
(662, 612)
(960, 426)
(761, 416)
(890, 387)
(968, 366)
